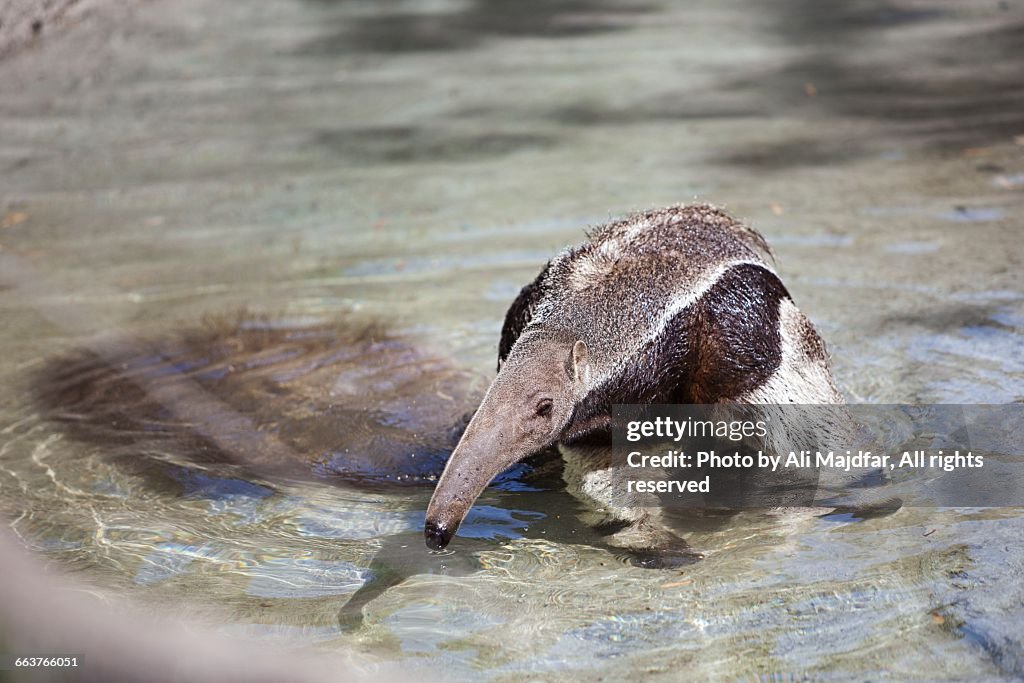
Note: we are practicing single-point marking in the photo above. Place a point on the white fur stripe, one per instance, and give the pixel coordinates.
(681, 302)
(799, 378)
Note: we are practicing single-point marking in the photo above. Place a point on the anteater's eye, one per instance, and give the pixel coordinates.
(544, 407)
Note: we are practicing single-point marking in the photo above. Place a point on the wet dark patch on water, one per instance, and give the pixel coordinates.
(677, 107)
(949, 318)
(346, 400)
(956, 87)
(945, 94)
(946, 86)
(409, 144)
(784, 154)
(827, 23)
(474, 23)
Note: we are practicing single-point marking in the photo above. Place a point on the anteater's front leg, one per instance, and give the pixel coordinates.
(634, 521)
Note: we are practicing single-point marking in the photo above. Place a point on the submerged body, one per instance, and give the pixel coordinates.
(678, 305)
(346, 400)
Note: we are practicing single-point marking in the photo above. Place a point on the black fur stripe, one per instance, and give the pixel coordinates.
(738, 327)
(724, 345)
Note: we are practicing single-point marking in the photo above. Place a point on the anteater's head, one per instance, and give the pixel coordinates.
(526, 410)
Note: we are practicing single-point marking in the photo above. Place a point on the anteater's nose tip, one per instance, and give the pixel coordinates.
(437, 536)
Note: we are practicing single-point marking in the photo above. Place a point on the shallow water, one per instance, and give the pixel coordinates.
(414, 164)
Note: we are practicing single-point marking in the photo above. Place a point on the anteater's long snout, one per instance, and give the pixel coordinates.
(480, 456)
(525, 409)
(493, 441)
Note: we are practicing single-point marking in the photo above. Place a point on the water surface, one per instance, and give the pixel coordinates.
(413, 164)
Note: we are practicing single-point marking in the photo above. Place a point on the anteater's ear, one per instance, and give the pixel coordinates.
(581, 363)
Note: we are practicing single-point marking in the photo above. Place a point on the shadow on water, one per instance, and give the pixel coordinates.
(407, 144)
(348, 402)
(953, 83)
(661, 108)
(398, 30)
(949, 317)
(959, 84)
(842, 24)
